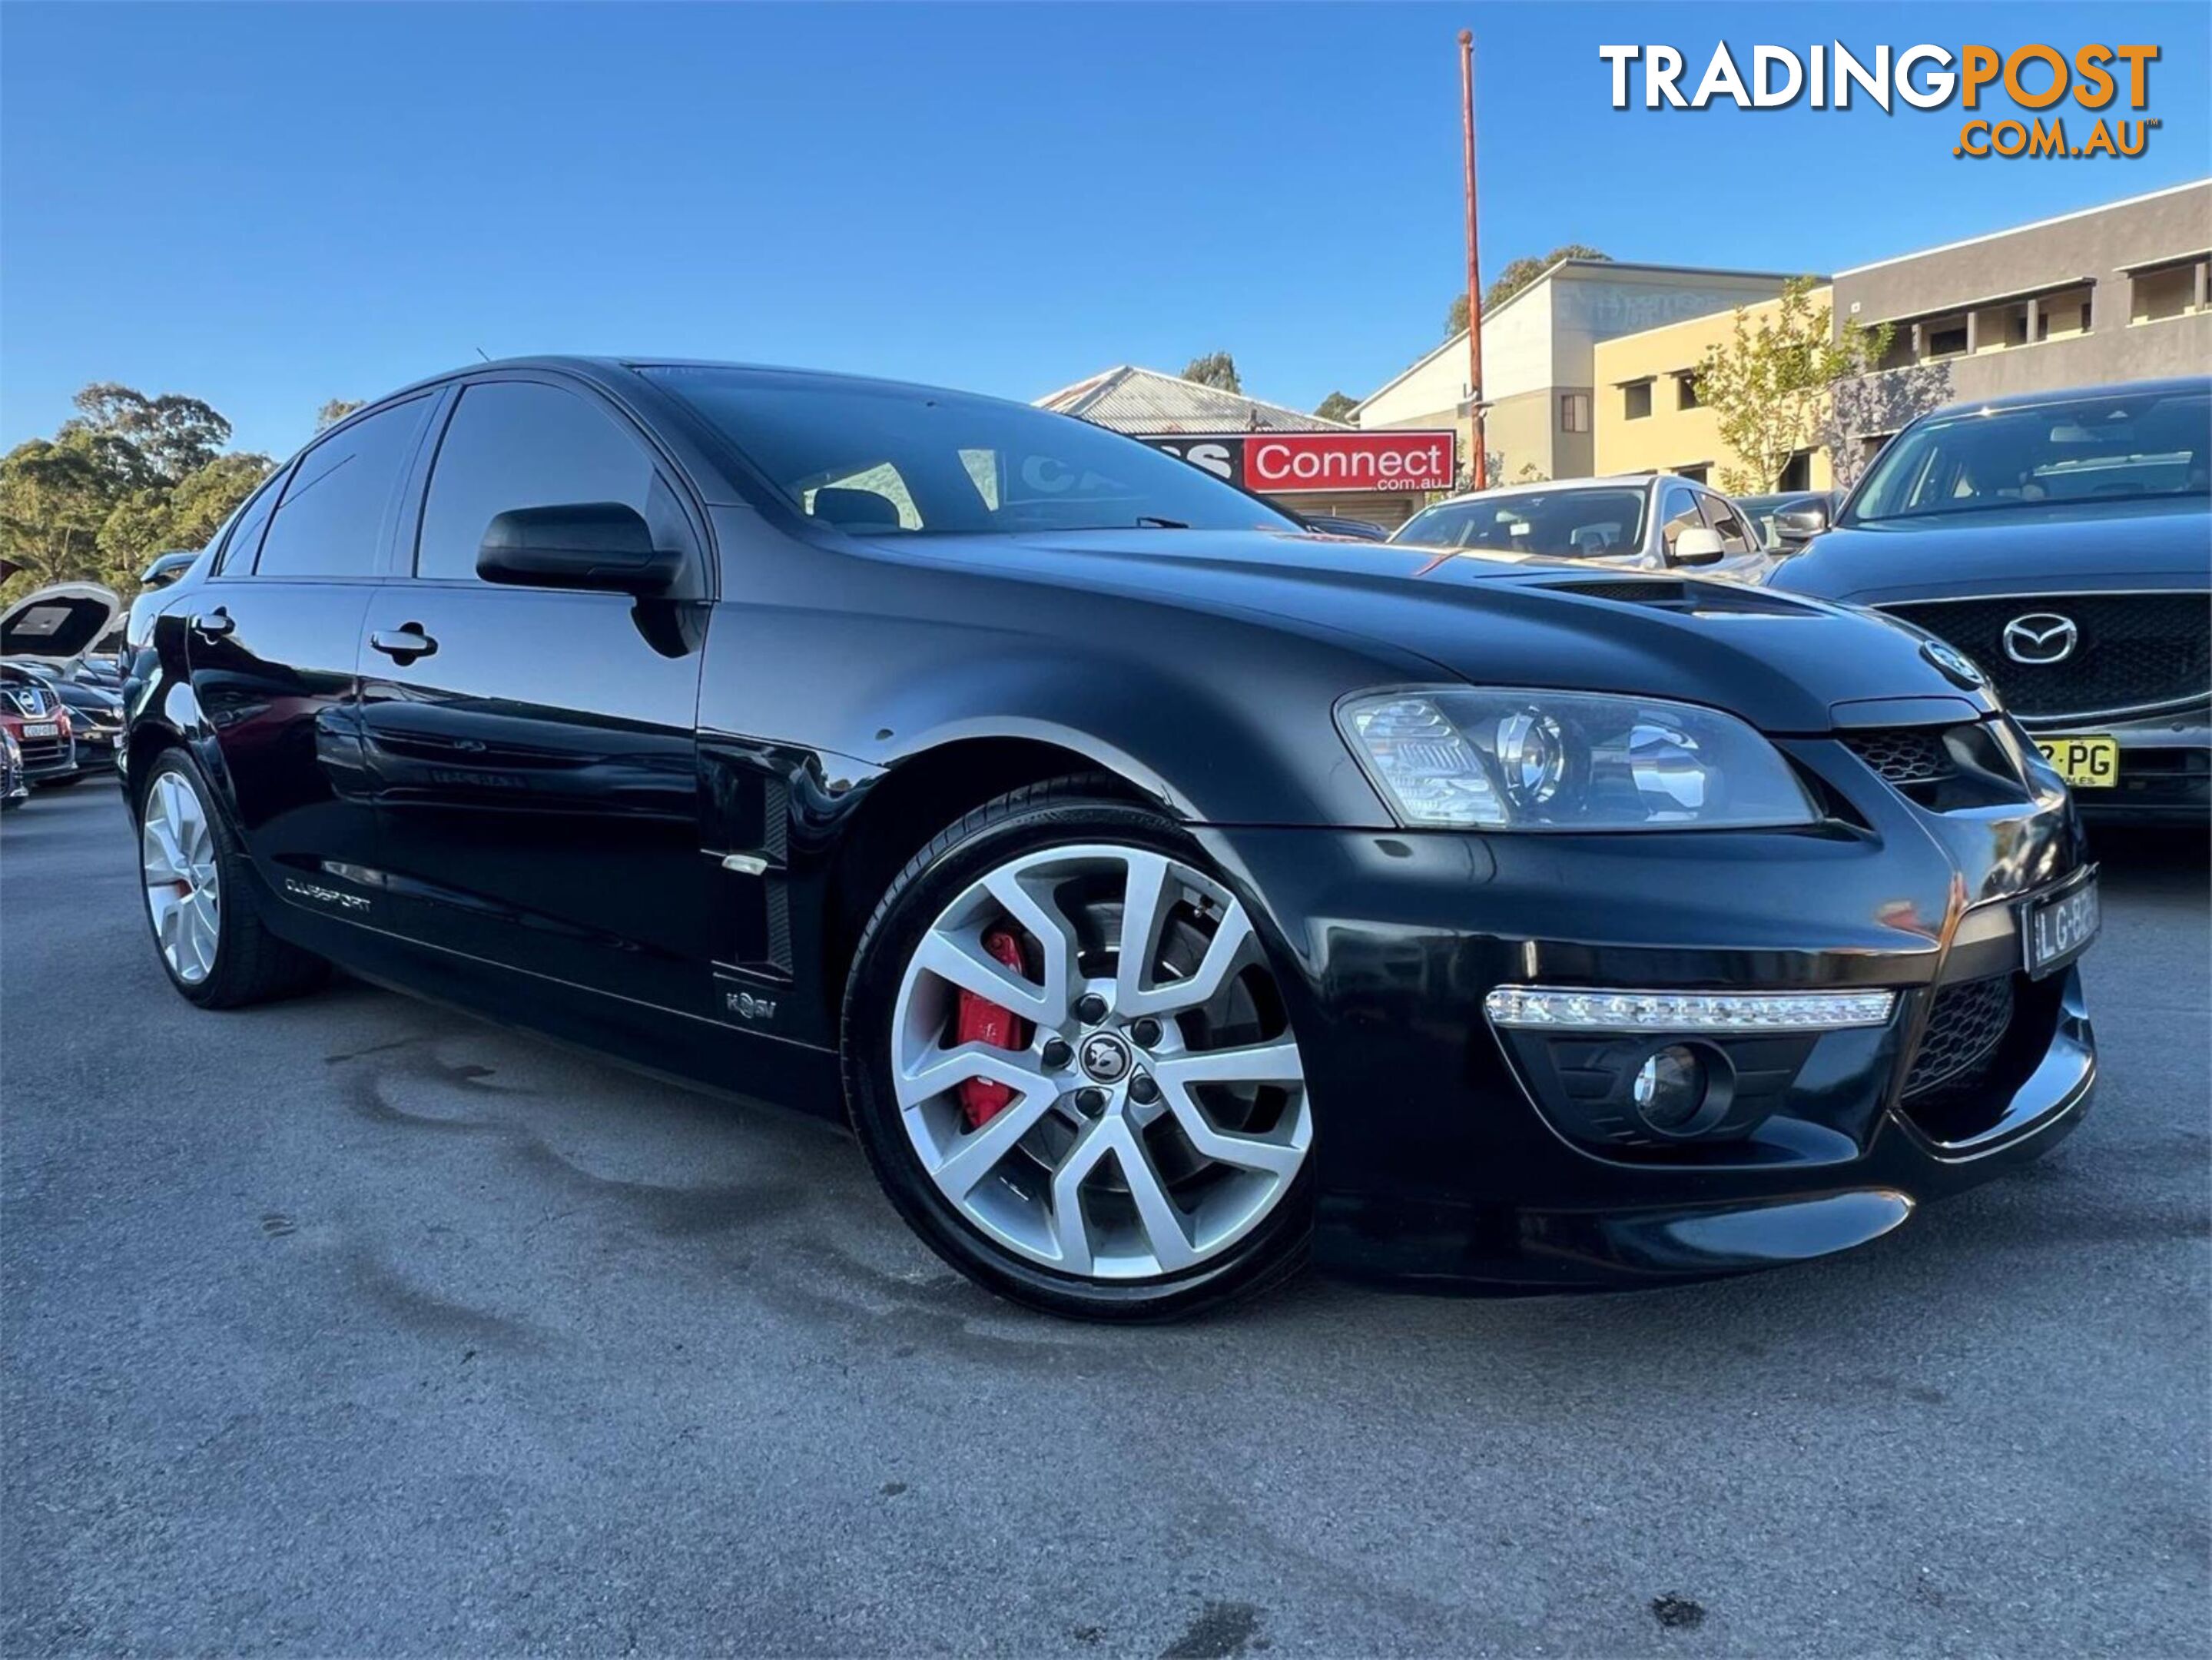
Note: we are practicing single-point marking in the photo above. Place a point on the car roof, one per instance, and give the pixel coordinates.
(2028, 400)
(1609, 481)
(605, 368)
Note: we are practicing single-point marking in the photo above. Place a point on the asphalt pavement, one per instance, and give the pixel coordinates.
(353, 1325)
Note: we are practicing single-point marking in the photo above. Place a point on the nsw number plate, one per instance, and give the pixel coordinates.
(42, 729)
(2054, 931)
(2086, 764)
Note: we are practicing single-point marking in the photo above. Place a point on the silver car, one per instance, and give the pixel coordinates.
(1637, 521)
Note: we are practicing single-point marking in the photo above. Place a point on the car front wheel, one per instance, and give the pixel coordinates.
(1072, 1065)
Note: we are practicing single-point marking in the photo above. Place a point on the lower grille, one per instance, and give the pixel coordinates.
(44, 753)
(1965, 1027)
(2130, 651)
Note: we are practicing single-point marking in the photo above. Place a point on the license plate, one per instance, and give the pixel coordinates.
(2086, 764)
(2055, 930)
(42, 729)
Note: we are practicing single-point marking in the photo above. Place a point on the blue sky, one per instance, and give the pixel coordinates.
(268, 206)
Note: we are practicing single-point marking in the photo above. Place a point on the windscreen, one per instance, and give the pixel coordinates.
(874, 458)
(2113, 446)
(1573, 524)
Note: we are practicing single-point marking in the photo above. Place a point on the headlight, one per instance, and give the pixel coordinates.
(1448, 759)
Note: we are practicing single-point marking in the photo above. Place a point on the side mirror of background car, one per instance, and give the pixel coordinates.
(1801, 523)
(1700, 546)
(602, 545)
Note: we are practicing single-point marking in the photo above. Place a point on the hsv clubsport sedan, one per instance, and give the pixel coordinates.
(1162, 891)
(2064, 541)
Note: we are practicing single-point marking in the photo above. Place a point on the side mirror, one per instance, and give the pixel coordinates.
(602, 545)
(1699, 546)
(1801, 523)
(167, 568)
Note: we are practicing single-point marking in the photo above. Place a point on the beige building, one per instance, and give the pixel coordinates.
(1645, 406)
(1539, 360)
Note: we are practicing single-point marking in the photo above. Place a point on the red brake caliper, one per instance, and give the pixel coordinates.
(981, 1021)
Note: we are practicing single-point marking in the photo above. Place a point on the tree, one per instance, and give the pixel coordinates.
(124, 479)
(335, 411)
(1516, 276)
(1337, 406)
(1771, 385)
(1216, 369)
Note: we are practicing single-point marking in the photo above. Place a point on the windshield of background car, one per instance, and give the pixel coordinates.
(1574, 524)
(884, 460)
(2115, 446)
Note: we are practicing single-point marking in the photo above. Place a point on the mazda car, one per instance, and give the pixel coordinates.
(1164, 895)
(2064, 541)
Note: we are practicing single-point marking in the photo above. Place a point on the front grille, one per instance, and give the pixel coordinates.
(2131, 650)
(44, 752)
(1904, 755)
(1965, 1028)
(29, 700)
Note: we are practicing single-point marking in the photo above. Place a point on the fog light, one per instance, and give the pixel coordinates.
(1670, 1090)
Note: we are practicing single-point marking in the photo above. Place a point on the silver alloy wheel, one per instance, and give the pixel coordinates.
(1137, 1081)
(176, 850)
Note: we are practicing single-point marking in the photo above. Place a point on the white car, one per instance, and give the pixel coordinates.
(1636, 521)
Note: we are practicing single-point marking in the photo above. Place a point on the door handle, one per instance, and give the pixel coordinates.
(404, 644)
(214, 625)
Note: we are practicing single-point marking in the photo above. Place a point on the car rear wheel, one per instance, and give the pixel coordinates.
(1072, 1065)
(210, 943)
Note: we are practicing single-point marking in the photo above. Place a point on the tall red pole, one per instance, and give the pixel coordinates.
(1473, 264)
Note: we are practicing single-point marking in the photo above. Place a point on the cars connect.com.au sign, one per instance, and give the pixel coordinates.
(1315, 463)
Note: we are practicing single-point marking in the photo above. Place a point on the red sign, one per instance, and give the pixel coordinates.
(1319, 463)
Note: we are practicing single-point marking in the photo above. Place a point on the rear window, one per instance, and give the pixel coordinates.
(2111, 447)
(1571, 523)
(332, 519)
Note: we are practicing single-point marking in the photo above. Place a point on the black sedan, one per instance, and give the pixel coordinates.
(2064, 541)
(1162, 891)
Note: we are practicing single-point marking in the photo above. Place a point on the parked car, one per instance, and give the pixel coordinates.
(1329, 525)
(1160, 891)
(14, 787)
(1636, 521)
(50, 635)
(1810, 513)
(39, 724)
(2064, 541)
(95, 717)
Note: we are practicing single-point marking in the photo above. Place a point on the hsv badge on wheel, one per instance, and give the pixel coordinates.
(1165, 894)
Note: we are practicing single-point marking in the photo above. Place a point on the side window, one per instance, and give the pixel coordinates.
(1678, 512)
(244, 538)
(1736, 537)
(519, 444)
(336, 506)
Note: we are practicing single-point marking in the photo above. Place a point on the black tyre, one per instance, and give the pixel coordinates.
(1122, 1134)
(208, 941)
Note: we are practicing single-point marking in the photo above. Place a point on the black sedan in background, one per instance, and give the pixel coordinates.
(2064, 541)
(1162, 891)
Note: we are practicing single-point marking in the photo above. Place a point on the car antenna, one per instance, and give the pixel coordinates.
(480, 352)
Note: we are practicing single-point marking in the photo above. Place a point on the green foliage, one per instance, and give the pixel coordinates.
(1770, 385)
(1516, 276)
(125, 477)
(1216, 369)
(335, 411)
(1337, 406)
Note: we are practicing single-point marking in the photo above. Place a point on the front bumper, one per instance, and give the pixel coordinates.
(2166, 766)
(1447, 1153)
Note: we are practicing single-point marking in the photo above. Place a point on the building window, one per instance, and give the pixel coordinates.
(1686, 390)
(1946, 337)
(1796, 472)
(2064, 316)
(1574, 411)
(2175, 290)
(1636, 401)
